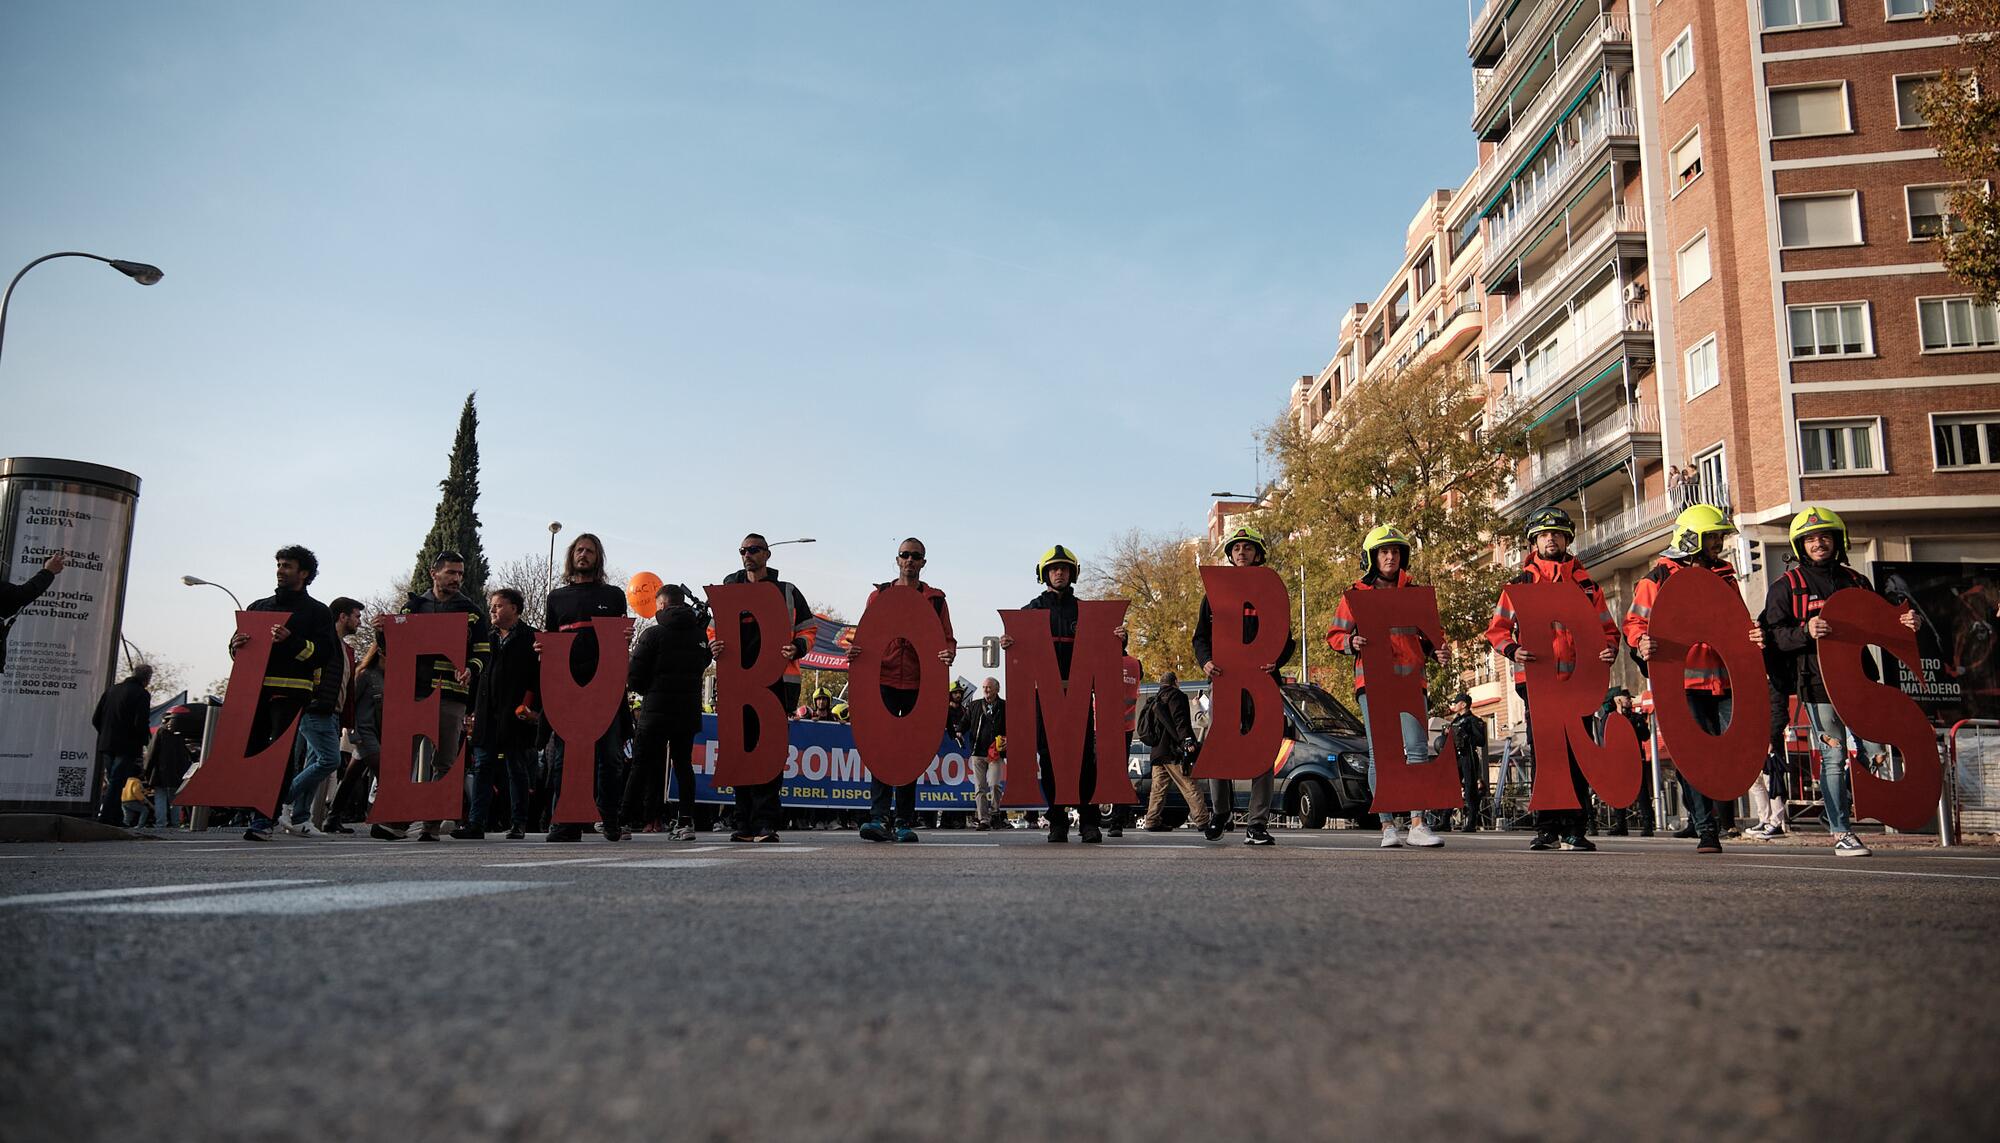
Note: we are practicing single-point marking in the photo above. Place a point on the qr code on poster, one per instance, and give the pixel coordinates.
(72, 781)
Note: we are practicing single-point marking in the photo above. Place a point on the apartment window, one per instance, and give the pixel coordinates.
(1799, 13)
(1713, 480)
(1701, 370)
(1947, 324)
(1819, 109)
(1427, 274)
(1691, 264)
(1930, 212)
(1909, 9)
(1684, 161)
(1466, 298)
(1399, 309)
(1839, 446)
(1677, 63)
(1806, 220)
(1966, 440)
(1909, 94)
(1372, 342)
(1839, 330)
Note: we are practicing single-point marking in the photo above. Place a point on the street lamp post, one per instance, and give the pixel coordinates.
(197, 581)
(782, 543)
(549, 573)
(139, 272)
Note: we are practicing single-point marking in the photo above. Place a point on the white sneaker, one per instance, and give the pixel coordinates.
(1847, 845)
(1422, 837)
(299, 829)
(1392, 838)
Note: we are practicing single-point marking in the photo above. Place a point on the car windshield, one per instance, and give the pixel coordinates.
(1321, 712)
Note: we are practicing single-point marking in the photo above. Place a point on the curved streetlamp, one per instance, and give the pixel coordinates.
(782, 543)
(197, 581)
(139, 272)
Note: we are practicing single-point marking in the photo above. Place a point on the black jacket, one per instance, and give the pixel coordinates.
(513, 678)
(666, 669)
(571, 607)
(368, 711)
(1166, 728)
(172, 752)
(307, 663)
(435, 672)
(1468, 738)
(16, 596)
(1204, 638)
(120, 719)
(985, 720)
(1789, 648)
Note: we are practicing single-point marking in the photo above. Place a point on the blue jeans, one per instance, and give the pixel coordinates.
(1416, 748)
(1833, 762)
(163, 808)
(320, 734)
(489, 768)
(1711, 714)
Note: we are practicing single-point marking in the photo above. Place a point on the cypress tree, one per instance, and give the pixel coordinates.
(457, 525)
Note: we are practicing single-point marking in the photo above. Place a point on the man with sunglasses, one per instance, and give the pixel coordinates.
(901, 675)
(757, 805)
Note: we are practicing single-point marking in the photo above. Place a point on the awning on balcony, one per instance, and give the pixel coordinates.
(1555, 220)
(1611, 370)
(1535, 151)
(1559, 490)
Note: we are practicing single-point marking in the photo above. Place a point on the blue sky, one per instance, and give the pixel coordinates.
(998, 276)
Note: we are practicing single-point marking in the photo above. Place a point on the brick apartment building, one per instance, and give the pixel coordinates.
(1704, 236)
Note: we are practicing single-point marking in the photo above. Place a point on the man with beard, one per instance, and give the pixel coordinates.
(585, 596)
(757, 806)
(301, 680)
(455, 686)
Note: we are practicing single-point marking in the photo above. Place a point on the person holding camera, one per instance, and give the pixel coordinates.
(1168, 733)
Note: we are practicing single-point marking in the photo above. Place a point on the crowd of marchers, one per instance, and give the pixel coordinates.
(490, 700)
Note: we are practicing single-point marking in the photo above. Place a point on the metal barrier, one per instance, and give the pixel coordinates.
(1972, 776)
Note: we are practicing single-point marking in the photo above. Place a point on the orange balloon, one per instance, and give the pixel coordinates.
(642, 592)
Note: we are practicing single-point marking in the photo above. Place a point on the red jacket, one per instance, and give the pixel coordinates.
(1411, 648)
(1503, 633)
(1704, 667)
(900, 668)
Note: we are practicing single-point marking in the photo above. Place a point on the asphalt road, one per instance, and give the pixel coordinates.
(988, 986)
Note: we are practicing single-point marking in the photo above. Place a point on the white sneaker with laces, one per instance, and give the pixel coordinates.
(299, 829)
(1847, 845)
(1422, 837)
(1392, 838)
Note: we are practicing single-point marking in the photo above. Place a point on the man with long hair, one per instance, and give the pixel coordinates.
(585, 596)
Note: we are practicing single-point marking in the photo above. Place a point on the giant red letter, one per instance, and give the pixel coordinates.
(232, 776)
(1696, 606)
(1399, 785)
(399, 797)
(1876, 712)
(1230, 751)
(1043, 696)
(1558, 705)
(743, 690)
(897, 749)
(581, 713)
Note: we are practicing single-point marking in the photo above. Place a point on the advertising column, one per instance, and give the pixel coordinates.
(62, 648)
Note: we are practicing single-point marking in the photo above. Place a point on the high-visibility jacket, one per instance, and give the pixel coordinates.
(1504, 634)
(1410, 647)
(1703, 671)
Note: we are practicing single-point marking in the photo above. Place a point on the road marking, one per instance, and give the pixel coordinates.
(559, 861)
(673, 863)
(147, 891)
(315, 900)
(1876, 872)
(754, 847)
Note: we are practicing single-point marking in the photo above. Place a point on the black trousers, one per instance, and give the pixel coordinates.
(1088, 813)
(666, 736)
(1471, 785)
(1563, 823)
(757, 806)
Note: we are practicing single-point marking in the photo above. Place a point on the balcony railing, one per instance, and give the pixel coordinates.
(1631, 420)
(1486, 12)
(1609, 30)
(1530, 208)
(1581, 344)
(1607, 533)
(1618, 220)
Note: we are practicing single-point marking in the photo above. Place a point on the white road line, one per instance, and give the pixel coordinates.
(147, 891)
(311, 901)
(673, 863)
(559, 861)
(754, 847)
(1876, 872)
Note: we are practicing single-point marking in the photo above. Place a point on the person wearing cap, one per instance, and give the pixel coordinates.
(1792, 618)
(1697, 540)
(1385, 553)
(1057, 571)
(1243, 548)
(892, 810)
(1468, 745)
(1550, 533)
